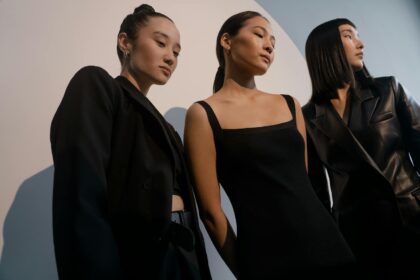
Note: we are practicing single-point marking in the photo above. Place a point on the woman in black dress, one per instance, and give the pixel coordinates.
(366, 132)
(122, 203)
(253, 143)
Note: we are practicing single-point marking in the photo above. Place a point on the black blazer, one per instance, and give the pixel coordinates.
(368, 160)
(114, 173)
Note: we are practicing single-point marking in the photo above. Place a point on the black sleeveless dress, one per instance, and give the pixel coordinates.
(282, 227)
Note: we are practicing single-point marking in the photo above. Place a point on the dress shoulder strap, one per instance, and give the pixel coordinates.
(291, 104)
(214, 123)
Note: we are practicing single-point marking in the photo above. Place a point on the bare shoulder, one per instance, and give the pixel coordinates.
(196, 112)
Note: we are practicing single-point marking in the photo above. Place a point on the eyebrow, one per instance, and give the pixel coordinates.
(166, 36)
(349, 30)
(265, 30)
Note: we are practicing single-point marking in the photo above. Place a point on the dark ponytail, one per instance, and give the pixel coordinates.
(219, 79)
(132, 23)
(231, 26)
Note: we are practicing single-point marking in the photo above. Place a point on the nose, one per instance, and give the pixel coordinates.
(268, 46)
(169, 58)
(360, 44)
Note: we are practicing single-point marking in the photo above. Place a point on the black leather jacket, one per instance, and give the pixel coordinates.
(375, 156)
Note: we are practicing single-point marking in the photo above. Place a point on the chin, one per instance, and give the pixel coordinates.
(357, 66)
(260, 72)
(160, 81)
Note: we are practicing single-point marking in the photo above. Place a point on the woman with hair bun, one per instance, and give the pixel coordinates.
(123, 205)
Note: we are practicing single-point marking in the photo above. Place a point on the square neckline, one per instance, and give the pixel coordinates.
(290, 104)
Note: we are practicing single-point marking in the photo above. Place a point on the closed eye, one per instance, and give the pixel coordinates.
(259, 35)
(161, 44)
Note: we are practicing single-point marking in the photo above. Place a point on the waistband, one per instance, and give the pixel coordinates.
(182, 217)
(180, 232)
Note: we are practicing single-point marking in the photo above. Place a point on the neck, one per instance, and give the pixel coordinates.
(136, 80)
(237, 80)
(342, 92)
(234, 87)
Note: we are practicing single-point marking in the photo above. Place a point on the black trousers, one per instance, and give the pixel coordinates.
(180, 259)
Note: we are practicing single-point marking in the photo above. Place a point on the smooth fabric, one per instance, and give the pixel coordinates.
(372, 161)
(282, 227)
(114, 158)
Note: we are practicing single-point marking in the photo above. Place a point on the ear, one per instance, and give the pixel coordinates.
(124, 43)
(225, 42)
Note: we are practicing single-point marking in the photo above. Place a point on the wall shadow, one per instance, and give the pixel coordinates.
(28, 251)
(176, 117)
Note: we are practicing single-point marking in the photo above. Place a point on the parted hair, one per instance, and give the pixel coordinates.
(326, 59)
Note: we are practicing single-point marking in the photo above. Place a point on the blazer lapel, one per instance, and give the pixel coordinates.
(148, 108)
(329, 123)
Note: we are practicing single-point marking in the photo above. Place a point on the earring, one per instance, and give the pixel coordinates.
(125, 53)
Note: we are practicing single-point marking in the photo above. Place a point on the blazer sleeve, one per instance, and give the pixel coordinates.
(408, 112)
(317, 174)
(81, 141)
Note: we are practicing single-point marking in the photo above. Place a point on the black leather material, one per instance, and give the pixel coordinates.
(375, 157)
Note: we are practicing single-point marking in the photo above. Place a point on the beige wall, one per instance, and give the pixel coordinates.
(42, 44)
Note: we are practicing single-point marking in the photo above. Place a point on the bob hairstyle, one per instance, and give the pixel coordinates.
(327, 63)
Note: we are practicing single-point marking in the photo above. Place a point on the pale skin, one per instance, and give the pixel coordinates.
(238, 104)
(353, 47)
(151, 59)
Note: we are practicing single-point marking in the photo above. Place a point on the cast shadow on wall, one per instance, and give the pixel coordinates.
(28, 251)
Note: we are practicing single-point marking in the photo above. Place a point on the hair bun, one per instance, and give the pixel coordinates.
(144, 8)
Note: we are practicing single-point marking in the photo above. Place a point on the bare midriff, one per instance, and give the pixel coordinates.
(177, 203)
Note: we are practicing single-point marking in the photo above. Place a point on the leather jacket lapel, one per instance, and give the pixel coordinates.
(365, 101)
(329, 122)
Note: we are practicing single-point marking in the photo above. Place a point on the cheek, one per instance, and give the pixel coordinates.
(247, 43)
(175, 63)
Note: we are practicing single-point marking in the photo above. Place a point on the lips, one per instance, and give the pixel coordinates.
(360, 55)
(266, 58)
(166, 70)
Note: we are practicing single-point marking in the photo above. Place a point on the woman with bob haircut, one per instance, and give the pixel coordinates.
(123, 205)
(253, 143)
(366, 133)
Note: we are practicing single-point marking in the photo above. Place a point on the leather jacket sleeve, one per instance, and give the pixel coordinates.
(408, 112)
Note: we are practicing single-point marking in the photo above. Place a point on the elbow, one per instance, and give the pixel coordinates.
(212, 217)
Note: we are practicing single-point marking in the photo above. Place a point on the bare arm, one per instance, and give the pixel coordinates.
(201, 154)
(300, 122)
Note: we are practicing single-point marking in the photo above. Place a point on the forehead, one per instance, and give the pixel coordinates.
(161, 25)
(258, 22)
(347, 27)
